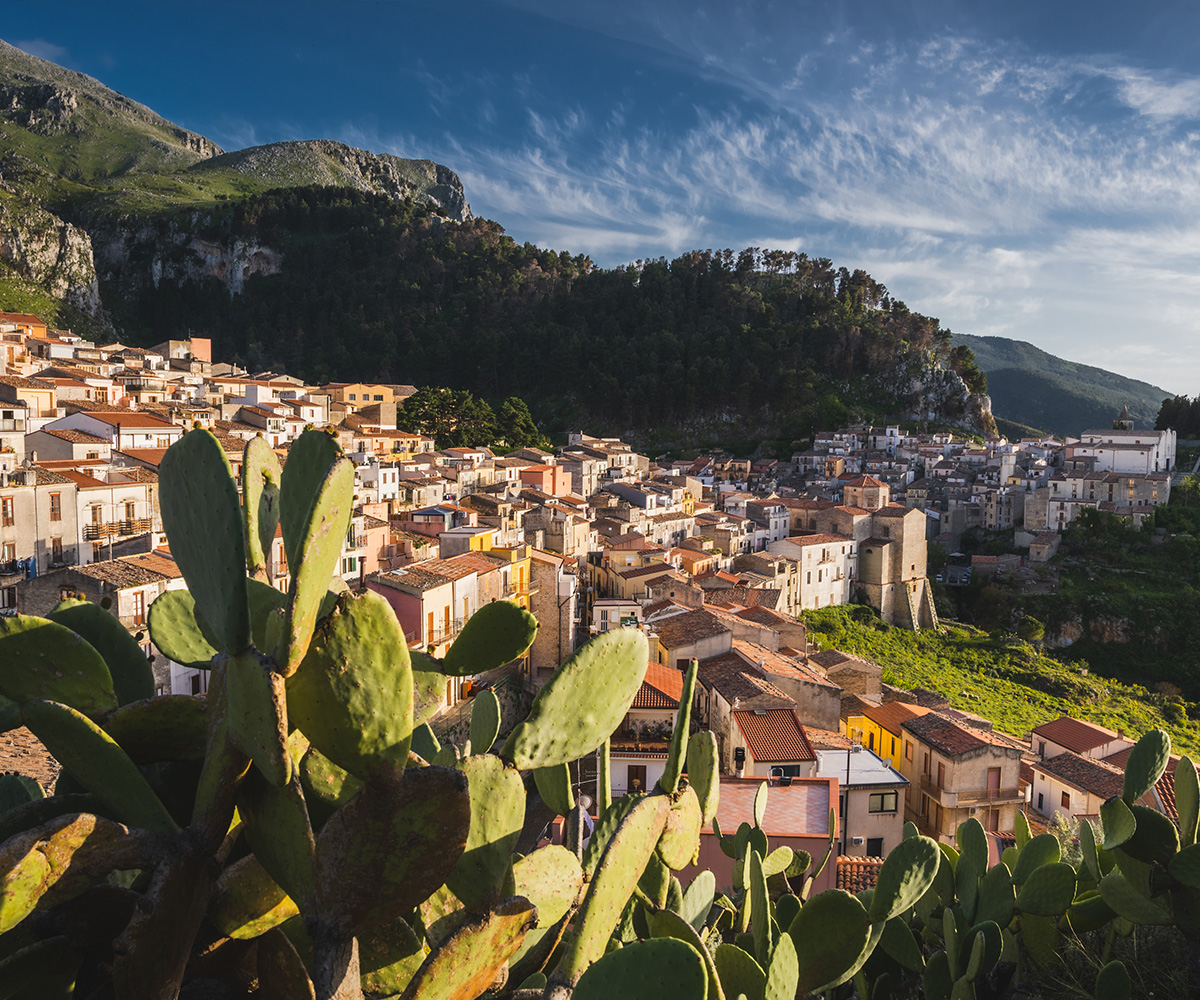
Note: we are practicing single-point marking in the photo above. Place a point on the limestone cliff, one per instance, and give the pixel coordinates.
(44, 252)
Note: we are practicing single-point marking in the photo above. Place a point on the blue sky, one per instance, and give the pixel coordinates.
(1022, 169)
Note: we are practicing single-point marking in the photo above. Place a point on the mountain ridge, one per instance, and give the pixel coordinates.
(1030, 386)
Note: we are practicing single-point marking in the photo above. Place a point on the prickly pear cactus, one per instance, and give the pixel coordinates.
(284, 810)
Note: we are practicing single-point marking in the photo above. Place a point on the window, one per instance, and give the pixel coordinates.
(130, 510)
(353, 396)
(56, 550)
(941, 775)
(8, 597)
(1041, 748)
(925, 769)
(379, 399)
(195, 683)
(882, 802)
(1066, 800)
(908, 750)
(6, 511)
(139, 607)
(874, 847)
(97, 551)
(55, 506)
(8, 553)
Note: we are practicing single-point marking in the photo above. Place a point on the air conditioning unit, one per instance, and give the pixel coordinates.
(857, 841)
(972, 811)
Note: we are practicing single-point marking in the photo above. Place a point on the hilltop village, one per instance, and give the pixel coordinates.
(712, 557)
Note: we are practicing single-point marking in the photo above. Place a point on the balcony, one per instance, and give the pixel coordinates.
(961, 798)
(444, 633)
(136, 526)
(95, 532)
(12, 425)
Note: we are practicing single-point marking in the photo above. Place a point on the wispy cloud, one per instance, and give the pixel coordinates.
(1003, 190)
(44, 49)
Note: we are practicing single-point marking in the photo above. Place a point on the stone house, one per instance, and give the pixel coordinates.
(955, 772)
(39, 526)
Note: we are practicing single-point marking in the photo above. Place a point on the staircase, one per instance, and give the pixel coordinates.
(935, 624)
(914, 613)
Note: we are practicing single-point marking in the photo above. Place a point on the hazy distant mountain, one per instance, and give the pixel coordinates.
(1029, 386)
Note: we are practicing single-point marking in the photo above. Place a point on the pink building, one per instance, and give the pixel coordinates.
(552, 479)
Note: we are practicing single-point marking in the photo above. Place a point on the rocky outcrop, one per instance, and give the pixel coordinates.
(927, 391)
(53, 255)
(324, 162)
(42, 108)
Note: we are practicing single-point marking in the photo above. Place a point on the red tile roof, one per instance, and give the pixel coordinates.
(774, 735)
(856, 874)
(1085, 773)
(892, 714)
(662, 688)
(1075, 734)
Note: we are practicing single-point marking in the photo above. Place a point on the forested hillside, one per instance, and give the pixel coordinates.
(768, 342)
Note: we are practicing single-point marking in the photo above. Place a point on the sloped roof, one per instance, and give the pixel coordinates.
(952, 738)
(892, 714)
(661, 688)
(1085, 773)
(856, 874)
(774, 735)
(1075, 734)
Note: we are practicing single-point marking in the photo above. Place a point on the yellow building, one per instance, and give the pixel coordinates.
(878, 728)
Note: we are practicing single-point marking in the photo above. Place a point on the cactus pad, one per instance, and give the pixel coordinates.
(323, 534)
(277, 827)
(42, 659)
(202, 515)
(308, 461)
(1187, 798)
(551, 879)
(467, 962)
(485, 721)
(260, 502)
(680, 838)
(247, 902)
(621, 865)
(351, 696)
(555, 788)
(389, 956)
(1048, 891)
(392, 845)
(669, 782)
(429, 686)
(258, 723)
(646, 970)
(166, 727)
(497, 815)
(907, 874)
(496, 634)
(739, 973)
(327, 787)
(98, 763)
(1117, 821)
(703, 768)
(175, 631)
(132, 677)
(424, 743)
(582, 703)
(1147, 762)
(830, 933)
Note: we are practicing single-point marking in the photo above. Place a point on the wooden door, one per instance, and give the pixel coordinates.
(636, 778)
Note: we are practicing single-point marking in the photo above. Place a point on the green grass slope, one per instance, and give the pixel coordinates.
(1008, 682)
(1029, 386)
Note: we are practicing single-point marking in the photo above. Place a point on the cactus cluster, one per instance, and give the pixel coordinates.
(300, 831)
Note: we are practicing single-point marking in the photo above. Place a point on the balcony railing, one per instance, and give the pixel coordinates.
(95, 532)
(445, 632)
(136, 526)
(962, 797)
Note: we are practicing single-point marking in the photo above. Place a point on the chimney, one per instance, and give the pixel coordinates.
(1120, 734)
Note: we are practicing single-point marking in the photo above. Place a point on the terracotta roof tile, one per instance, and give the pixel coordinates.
(1085, 773)
(774, 735)
(952, 738)
(892, 714)
(1075, 734)
(856, 874)
(662, 687)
